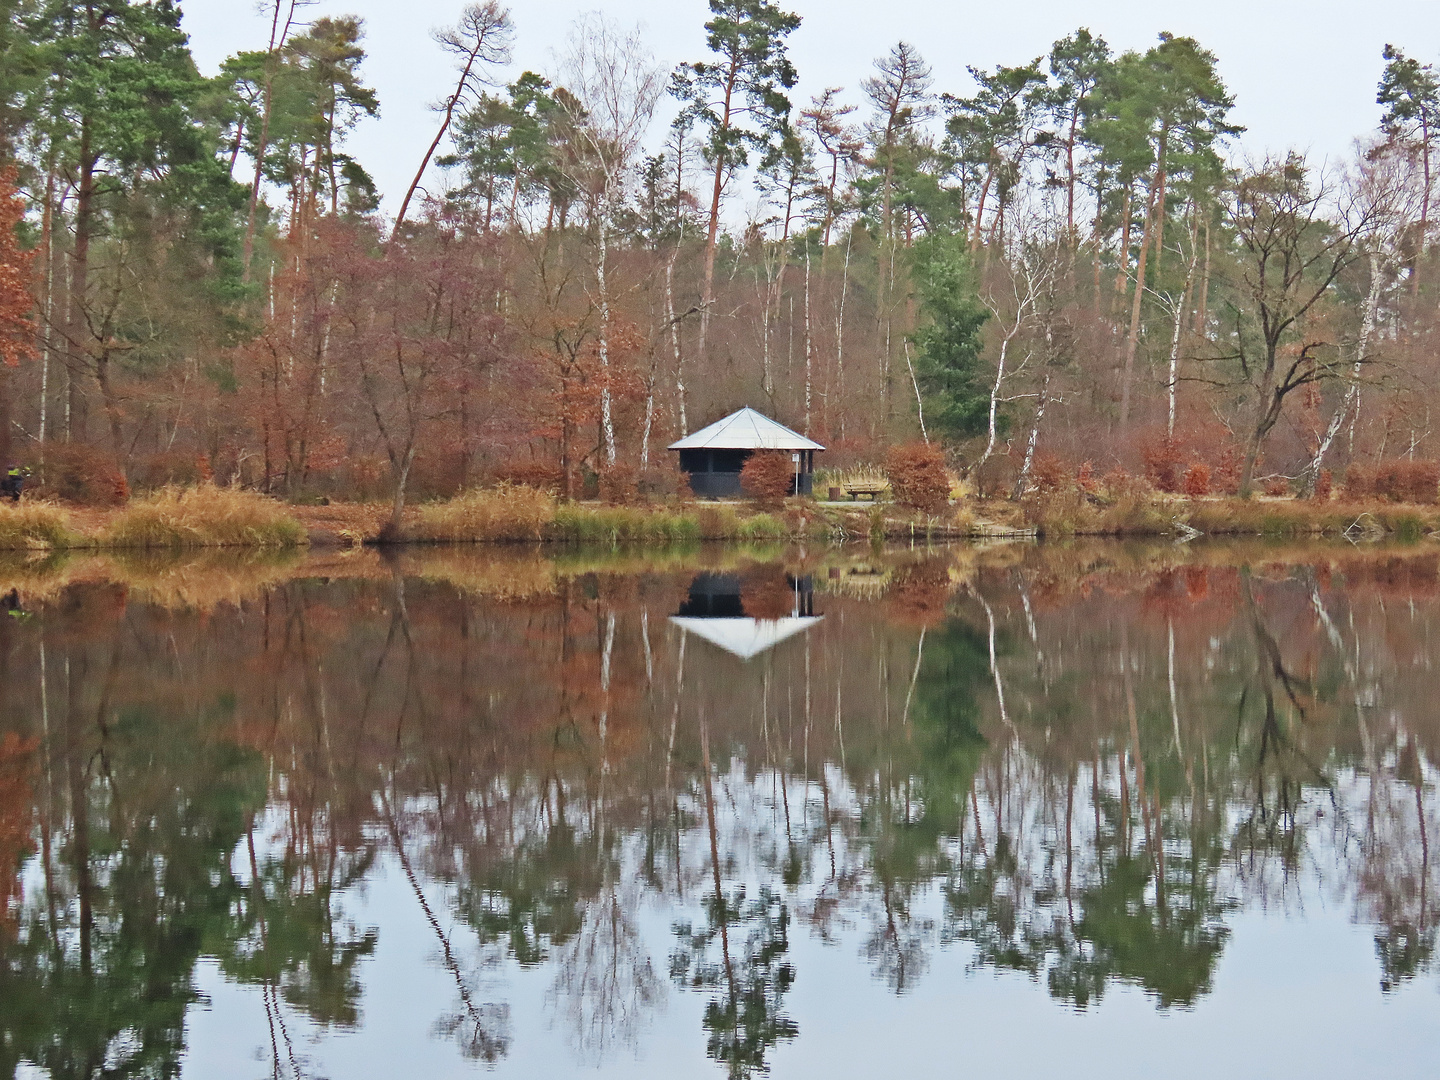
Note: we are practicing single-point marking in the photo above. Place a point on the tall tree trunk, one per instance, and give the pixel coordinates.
(402, 483)
(809, 352)
(1127, 377)
(712, 232)
(1180, 313)
(78, 329)
(1022, 482)
(840, 331)
(607, 419)
(675, 340)
(1311, 475)
(994, 405)
(277, 42)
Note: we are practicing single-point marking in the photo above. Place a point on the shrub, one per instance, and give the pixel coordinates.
(541, 475)
(767, 476)
(918, 478)
(1225, 477)
(79, 474)
(1276, 486)
(619, 485)
(509, 512)
(1412, 481)
(1398, 481)
(766, 593)
(1048, 475)
(1085, 479)
(34, 526)
(1162, 465)
(1197, 481)
(204, 516)
(1359, 482)
(1324, 485)
(157, 470)
(1118, 484)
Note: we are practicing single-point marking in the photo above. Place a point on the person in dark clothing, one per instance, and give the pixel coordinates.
(13, 483)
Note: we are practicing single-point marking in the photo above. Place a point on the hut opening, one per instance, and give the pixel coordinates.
(713, 456)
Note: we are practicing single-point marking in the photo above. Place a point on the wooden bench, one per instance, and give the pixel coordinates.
(871, 489)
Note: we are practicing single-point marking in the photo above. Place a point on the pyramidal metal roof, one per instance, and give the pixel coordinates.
(744, 637)
(746, 430)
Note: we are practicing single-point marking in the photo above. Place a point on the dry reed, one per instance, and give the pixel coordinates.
(203, 516)
(36, 526)
(510, 512)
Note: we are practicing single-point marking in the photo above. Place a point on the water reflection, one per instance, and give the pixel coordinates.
(1081, 766)
(750, 616)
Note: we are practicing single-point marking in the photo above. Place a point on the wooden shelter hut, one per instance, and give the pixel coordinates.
(714, 455)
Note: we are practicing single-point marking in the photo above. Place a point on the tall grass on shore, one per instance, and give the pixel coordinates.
(510, 512)
(624, 525)
(201, 517)
(36, 526)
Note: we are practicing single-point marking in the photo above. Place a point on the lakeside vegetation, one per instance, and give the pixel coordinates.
(207, 516)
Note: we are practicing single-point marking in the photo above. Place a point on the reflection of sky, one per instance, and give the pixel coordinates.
(1296, 992)
(1292, 997)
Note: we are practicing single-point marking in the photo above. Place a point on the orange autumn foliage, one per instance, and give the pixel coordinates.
(17, 324)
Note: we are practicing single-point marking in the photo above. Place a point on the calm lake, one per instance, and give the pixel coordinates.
(1095, 810)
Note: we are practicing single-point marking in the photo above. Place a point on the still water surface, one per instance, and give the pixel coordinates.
(1091, 811)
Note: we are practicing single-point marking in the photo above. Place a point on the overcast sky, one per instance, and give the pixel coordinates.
(1303, 72)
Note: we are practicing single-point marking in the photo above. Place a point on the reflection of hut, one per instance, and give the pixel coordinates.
(714, 611)
(714, 455)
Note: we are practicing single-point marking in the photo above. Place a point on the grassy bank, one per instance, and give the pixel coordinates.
(172, 518)
(517, 514)
(211, 517)
(1164, 515)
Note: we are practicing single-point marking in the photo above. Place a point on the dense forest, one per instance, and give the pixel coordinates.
(1066, 268)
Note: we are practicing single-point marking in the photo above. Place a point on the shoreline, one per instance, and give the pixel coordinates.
(211, 518)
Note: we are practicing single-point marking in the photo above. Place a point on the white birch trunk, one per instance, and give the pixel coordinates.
(607, 419)
(1023, 480)
(1352, 393)
(809, 362)
(994, 404)
(675, 340)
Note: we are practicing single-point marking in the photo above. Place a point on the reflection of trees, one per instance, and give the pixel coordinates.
(904, 826)
(99, 975)
(605, 985)
(741, 952)
(1172, 745)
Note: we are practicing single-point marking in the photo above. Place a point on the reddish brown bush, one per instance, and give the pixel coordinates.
(619, 486)
(1085, 478)
(1225, 477)
(659, 481)
(1324, 485)
(158, 470)
(1048, 475)
(1359, 482)
(1162, 464)
(1413, 481)
(1276, 486)
(917, 476)
(1119, 484)
(79, 474)
(766, 593)
(541, 475)
(1398, 481)
(1197, 481)
(768, 476)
